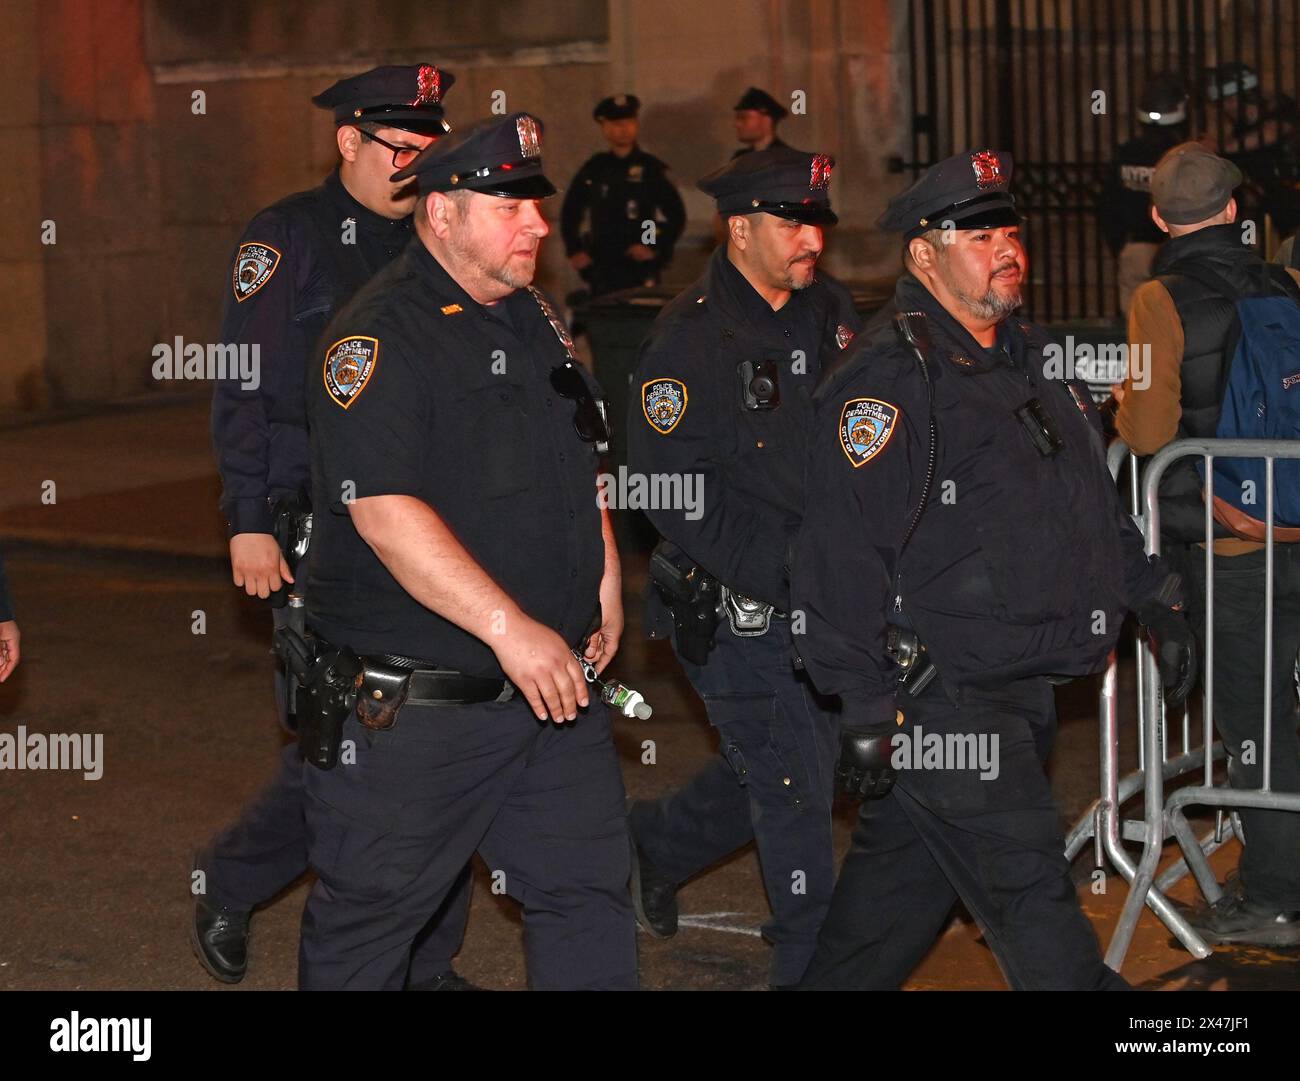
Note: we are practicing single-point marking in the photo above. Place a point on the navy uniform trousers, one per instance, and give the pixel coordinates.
(944, 834)
(773, 783)
(265, 850)
(389, 834)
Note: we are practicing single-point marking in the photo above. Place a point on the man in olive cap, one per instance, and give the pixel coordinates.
(1188, 318)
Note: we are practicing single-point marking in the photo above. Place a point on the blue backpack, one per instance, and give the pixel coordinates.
(1261, 400)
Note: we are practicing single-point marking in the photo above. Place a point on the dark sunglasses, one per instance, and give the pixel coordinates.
(590, 419)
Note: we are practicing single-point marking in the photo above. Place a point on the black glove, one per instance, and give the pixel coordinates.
(863, 768)
(1171, 639)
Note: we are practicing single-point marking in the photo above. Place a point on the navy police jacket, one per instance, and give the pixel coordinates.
(1020, 565)
(297, 263)
(689, 418)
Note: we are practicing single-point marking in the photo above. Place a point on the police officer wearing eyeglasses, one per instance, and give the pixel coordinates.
(963, 549)
(722, 399)
(460, 557)
(297, 263)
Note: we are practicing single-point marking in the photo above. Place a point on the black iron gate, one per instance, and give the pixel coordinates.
(1025, 75)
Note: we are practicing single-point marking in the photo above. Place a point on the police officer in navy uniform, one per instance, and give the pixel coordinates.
(618, 191)
(459, 540)
(963, 549)
(1125, 210)
(297, 263)
(724, 402)
(757, 114)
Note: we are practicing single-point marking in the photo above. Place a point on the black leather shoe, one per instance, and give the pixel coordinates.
(448, 981)
(220, 940)
(654, 897)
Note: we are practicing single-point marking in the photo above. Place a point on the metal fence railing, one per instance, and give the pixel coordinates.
(1163, 817)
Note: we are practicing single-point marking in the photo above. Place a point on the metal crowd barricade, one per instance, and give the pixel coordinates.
(1165, 818)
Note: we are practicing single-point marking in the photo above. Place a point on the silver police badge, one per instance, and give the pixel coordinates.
(254, 265)
(663, 401)
(865, 427)
(843, 336)
(349, 364)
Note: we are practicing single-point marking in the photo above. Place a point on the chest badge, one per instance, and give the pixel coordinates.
(865, 427)
(1078, 399)
(451, 309)
(664, 402)
(635, 173)
(254, 265)
(349, 364)
(843, 336)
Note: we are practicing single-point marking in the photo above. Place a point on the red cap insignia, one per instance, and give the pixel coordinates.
(988, 170)
(820, 175)
(530, 137)
(428, 86)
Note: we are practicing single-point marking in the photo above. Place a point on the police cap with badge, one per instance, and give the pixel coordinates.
(406, 96)
(760, 101)
(779, 180)
(502, 157)
(967, 191)
(618, 107)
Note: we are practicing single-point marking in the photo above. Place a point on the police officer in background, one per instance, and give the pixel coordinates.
(1126, 198)
(725, 379)
(964, 533)
(297, 263)
(461, 554)
(757, 115)
(619, 191)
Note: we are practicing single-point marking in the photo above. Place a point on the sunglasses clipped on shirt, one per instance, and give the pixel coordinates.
(591, 417)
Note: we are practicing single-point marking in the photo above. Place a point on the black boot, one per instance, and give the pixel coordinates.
(654, 897)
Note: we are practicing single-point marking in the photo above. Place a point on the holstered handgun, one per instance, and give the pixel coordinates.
(327, 693)
(692, 596)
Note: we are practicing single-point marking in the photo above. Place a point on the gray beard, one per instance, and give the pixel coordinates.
(992, 305)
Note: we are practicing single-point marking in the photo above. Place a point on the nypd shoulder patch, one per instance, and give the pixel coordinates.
(663, 401)
(865, 427)
(254, 265)
(349, 364)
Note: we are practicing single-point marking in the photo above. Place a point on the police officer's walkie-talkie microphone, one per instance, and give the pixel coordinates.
(617, 695)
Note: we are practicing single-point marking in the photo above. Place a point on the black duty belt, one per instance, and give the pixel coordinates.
(434, 686)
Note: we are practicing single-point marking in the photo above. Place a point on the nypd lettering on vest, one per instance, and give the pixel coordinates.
(349, 364)
(254, 265)
(663, 401)
(865, 427)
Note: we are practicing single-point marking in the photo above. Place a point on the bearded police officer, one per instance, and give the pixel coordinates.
(964, 547)
(297, 263)
(633, 210)
(459, 558)
(724, 386)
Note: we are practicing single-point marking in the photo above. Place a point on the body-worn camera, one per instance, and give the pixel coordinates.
(1041, 426)
(760, 384)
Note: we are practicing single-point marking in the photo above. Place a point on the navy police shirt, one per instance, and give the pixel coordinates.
(420, 391)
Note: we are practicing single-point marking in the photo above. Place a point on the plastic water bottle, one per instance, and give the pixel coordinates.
(627, 701)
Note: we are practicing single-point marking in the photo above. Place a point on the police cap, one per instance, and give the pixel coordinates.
(761, 102)
(501, 156)
(619, 107)
(779, 180)
(970, 190)
(406, 96)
